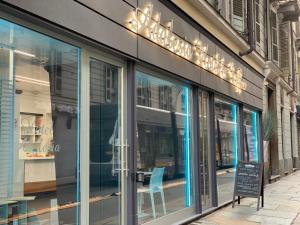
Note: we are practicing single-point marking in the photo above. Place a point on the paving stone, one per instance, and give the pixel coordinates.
(282, 207)
(271, 220)
(276, 213)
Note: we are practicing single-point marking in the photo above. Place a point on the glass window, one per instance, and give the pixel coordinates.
(39, 116)
(204, 148)
(251, 135)
(226, 147)
(163, 147)
(105, 142)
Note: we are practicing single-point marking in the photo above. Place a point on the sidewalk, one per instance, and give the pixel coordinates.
(282, 207)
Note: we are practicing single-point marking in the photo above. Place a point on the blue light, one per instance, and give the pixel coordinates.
(188, 198)
(78, 138)
(12, 88)
(234, 133)
(254, 125)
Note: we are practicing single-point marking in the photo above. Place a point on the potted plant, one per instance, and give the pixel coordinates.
(269, 127)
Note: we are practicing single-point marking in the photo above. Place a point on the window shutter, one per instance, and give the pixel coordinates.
(108, 84)
(259, 27)
(284, 47)
(237, 17)
(212, 3)
(224, 9)
(274, 37)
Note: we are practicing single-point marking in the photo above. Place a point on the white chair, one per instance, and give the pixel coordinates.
(155, 186)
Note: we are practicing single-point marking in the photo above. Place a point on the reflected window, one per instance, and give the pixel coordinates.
(143, 91)
(39, 116)
(251, 135)
(226, 147)
(163, 147)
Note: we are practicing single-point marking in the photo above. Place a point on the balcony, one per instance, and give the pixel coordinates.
(290, 9)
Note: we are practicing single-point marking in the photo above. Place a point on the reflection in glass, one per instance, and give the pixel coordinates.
(38, 128)
(204, 148)
(105, 193)
(226, 147)
(164, 147)
(250, 137)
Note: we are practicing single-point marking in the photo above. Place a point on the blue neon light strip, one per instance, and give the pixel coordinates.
(254, 126)
(188, 199)
(234, 133)
(12, 87)
(78, 137)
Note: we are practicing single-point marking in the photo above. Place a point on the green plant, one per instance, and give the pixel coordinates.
(269, 124)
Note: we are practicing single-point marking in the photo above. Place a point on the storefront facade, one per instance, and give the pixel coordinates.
(127, 113)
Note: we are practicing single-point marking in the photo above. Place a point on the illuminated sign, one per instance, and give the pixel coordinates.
(145, 23)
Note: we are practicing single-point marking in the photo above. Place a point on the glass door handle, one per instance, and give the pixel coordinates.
(126, 169)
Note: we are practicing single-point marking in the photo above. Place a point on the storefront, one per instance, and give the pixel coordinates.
(117, 115)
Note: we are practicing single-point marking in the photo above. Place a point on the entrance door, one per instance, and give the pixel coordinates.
(107, 164)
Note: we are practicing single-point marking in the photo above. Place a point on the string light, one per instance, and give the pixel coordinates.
(143, 22)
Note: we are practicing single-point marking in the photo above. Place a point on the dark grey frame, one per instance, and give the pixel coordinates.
(131, 134)
(212, 133)
(197, 149)
(242, 132)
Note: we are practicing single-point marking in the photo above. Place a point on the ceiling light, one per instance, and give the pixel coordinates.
(33, 81)
(24, 53)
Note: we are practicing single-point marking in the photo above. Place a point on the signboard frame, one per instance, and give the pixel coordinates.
(260, 185)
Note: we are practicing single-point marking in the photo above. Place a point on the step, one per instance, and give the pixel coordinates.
(274, 178)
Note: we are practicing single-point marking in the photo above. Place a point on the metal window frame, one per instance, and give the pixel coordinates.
(86, 50)
(197, 151)
(158, 73)
(85, 156)
(212, 133)
(41, 26)
(132, 140)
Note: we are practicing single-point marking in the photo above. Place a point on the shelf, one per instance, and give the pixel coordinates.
(39, 158)
(31, 143)
(32, 136)
(31, 156)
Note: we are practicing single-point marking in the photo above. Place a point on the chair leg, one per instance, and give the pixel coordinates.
(140, 202)
(163, 201)
(153, 205)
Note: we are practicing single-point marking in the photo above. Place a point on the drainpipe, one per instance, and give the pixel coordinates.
(250, 23)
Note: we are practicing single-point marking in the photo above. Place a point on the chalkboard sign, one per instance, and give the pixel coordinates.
(248, 180)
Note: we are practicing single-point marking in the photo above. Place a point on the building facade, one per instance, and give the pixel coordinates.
(138, 111)
(272, 36)
(282, 88)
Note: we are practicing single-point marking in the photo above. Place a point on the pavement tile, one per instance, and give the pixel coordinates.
(276, 213)
(226, 221)
(282, 207)
(271, 220)
(288, 208)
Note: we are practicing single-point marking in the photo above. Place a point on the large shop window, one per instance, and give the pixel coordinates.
(251, 135)
(39, 179)
(226, 147)
(163, 147)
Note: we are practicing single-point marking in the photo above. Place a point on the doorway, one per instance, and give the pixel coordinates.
(107, 148)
